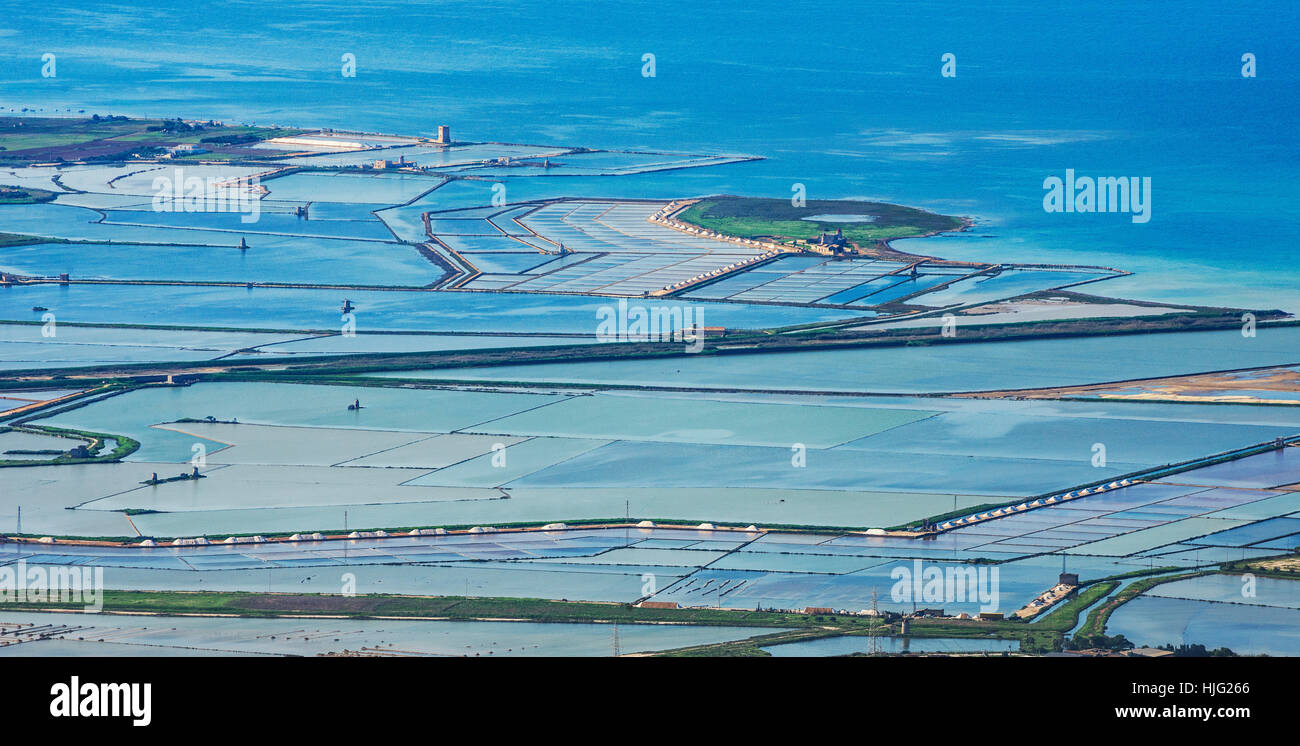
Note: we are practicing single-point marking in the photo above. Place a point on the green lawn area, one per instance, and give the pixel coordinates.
(33, 140)
(26, 133)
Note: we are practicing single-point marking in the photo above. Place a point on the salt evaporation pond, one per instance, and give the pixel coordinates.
(682, 457)
(338, 344)
(1267, 591)
(473, 578)
(836, 217)
(303, 308)
(972, 366)
(317, 188)
(262, 224)
(24, 346)
(282, 259)
(1245, 629)
(287, 404)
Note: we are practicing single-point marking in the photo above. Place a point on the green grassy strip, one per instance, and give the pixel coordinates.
(1064, 617)
(450, 607)
(1135, 574)
(1041, 637)
(1095, 624)
(19, 239)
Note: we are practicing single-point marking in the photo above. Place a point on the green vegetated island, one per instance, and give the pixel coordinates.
(861, 223)
(85, 447)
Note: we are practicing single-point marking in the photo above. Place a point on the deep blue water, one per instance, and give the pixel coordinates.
(845, 98)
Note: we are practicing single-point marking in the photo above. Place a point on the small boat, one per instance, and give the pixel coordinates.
(38, 309)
